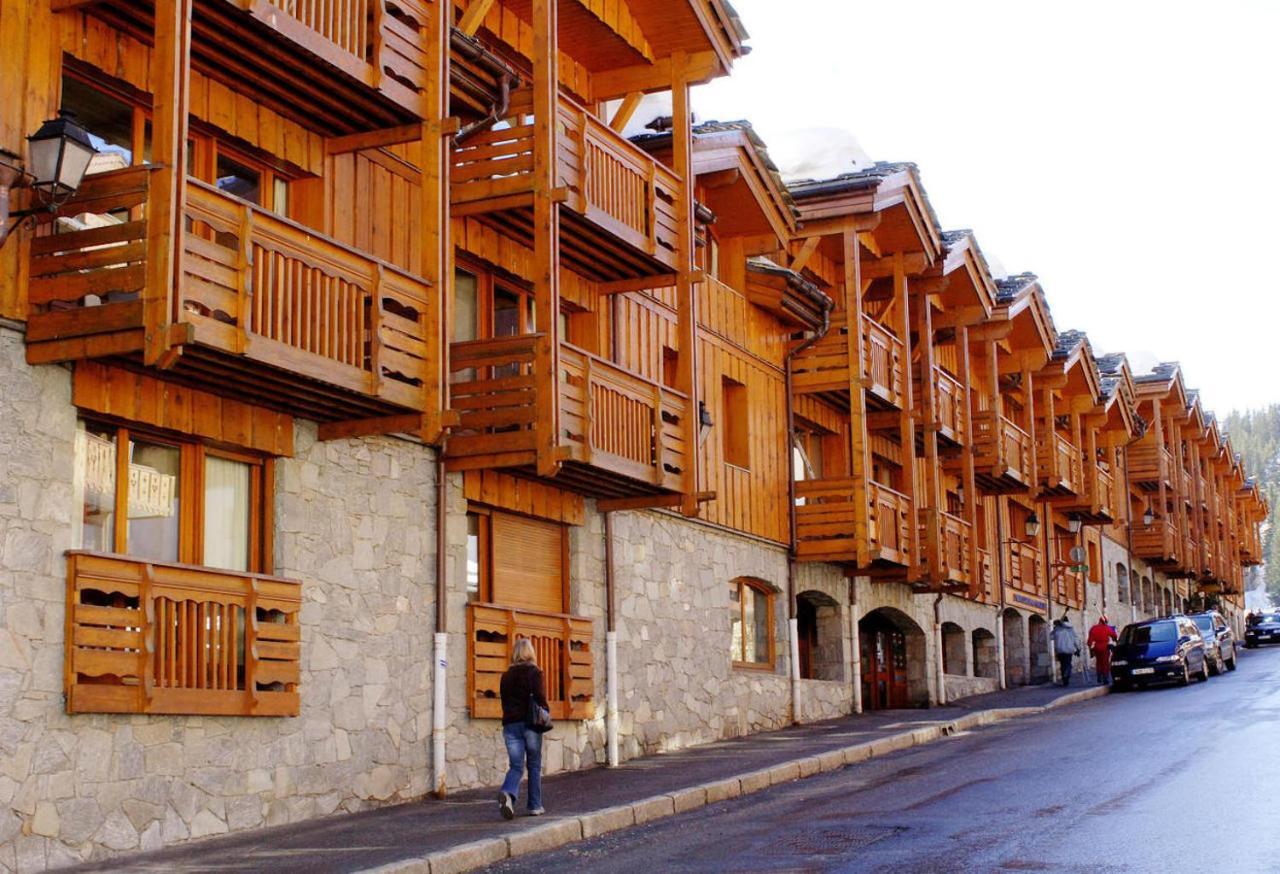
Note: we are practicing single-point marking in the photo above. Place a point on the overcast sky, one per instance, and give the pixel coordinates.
(1127, 152)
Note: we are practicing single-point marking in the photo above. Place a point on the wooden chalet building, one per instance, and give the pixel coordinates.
(375, 337)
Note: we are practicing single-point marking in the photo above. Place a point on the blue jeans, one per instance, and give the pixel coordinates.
(523, 744)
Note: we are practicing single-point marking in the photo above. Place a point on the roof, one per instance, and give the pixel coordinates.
(1009, 287)
(1069, 342)
(1162, 372)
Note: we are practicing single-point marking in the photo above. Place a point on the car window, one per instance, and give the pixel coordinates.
(1160, 632)
(1265, 618)
(1205, 623)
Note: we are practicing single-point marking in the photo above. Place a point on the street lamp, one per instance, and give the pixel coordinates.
(60, 154)
(1148, 517)
(1073, 524)
(1033, 525)
(704, 422)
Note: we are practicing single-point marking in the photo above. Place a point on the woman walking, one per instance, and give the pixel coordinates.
(521, 683)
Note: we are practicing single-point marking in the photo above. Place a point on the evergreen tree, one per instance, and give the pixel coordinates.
(1255, 434)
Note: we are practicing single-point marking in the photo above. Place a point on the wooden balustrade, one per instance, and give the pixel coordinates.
(609, 181)
(610, 419)
(957, 559)
(343, 23)
(826, 524)
(1024, 570)
(159, 637)
(883, 362)
(253, 285)
(948, 398)
(891, 516)
(986, 576)
(1002, 453)
(1150, 464)
(565, 650)
(1060, 464)
(1157, 541)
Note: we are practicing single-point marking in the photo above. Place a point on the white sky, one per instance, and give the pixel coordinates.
(1128, 152)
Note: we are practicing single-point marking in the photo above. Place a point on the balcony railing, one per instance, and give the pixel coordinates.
(949, 406)
(986, 576)
(159, 637)
(610, 183)
(1024, 568)
(254, 287)
(611, 420)
(564, 646)
(826, 525)
(1060, 464)
(957, 558)
(883, 363)
(1003, 452)
(1158, 541)
(1150, 464)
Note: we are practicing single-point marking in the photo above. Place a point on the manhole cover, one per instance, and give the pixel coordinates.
(832, 841)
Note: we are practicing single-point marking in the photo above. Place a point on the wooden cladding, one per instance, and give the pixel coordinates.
(496, 489)
(1003, 454)
(564, 647)
(254, 286)
(529, 562)
(156, 637)
(1060, 465)
(827, 528)
(824, 366)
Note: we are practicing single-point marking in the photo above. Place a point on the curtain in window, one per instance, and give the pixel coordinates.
(227, 513)
(153, 500)
(94, 481)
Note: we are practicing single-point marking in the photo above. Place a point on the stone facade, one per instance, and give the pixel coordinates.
(353, 521)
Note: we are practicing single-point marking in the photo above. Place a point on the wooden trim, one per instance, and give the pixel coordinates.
(751, 584)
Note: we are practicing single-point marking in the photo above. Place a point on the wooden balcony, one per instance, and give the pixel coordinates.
(826, 526)
(1150, 465)
(159, 637)
(1003, 454)
(1060, 466)
(619, 434)
(621, 213)
(265, 310)
(948, 399)
(566, 653)
(823, 368)
(1096, 501)
(1024, 568)
(1158, 542)
(986, 577)
(345, 65)
(955, 568)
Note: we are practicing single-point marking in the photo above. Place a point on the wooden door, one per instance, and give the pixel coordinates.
(884, 666)
(528, 563)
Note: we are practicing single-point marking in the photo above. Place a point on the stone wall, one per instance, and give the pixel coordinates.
(353, 521)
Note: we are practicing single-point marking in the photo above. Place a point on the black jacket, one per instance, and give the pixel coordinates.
(518, 683)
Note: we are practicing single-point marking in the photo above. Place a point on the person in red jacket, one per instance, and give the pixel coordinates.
(1099, 643)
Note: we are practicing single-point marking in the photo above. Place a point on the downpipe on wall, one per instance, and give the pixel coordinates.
(439, 683)
(939, 663)
(610, 648)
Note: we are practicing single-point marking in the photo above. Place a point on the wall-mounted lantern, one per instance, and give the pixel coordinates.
(60, 154)
(704, 422)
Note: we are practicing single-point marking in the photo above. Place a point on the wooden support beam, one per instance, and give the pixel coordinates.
(932, 463)
(906, 421)
(473, 17)
(856, 223)
(859, 445)
(643, 283)
(405, 423)
(626, 110)
(546, 234)
(437, 248)
(649, 502)
(806, 252)
(171, 76)
(968, 473)
(686, 300)
(692, 68)
(912, 265)
(377, 139)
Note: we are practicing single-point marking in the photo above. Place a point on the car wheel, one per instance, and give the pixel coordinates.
(1204, 671)
(1185, 679)
(1121, 687)
(1250, 645)
(1231, 665)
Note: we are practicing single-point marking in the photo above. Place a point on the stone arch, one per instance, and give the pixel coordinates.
(1148, 601)
(1122, 583)
(1015, 647)
(895, 664)
(1135, 588)
(986, 655)
(821, 636)
(954, 650)
(1038, 636)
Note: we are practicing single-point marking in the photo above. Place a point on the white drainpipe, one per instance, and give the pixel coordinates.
(857, 657)
(793, 626)
(438, 711)
(1004, 678)
(611, 695)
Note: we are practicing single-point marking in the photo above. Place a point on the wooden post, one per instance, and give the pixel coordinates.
(437, 250)
(933, 520)
(970, 480)
(907, 427)
(244, 279)
(686, 302)
(860, 456)
(546, 236)
(171, 73)
(1033, 478)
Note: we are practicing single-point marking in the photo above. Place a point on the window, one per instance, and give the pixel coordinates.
(733, 423)
(751, 623)
(1122, 583)
(180, 502)
(1095, 563)
(670, 367)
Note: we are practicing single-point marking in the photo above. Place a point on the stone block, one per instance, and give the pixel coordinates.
(858, 753)
(689, 799)
(784, 773)
(755, 781)
(653, 808)
(723, 790)
(466, 857)
(809, 766)
(832, 760)
(546, 836)
(45, 822)
(609, 819)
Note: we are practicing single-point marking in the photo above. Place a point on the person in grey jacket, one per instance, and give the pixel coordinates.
(1066, 646)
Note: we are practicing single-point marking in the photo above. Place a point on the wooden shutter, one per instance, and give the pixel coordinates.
(528, 563)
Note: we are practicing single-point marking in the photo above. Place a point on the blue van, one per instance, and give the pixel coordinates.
(1159, 651)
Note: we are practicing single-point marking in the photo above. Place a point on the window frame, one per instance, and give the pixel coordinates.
(735, 423)
(743, 586)
(191, 479)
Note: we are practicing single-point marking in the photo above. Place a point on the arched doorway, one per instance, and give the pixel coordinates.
(1038, 637)
(820, 637)
(1015, 647)
(986, 658)
(894, 665)
(953, 650)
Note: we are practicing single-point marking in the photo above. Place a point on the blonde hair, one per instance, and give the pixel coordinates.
(522, 653)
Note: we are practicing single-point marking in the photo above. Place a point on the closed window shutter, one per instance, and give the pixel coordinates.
(528, 569)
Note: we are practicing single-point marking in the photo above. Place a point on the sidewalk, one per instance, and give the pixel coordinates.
(464, 830)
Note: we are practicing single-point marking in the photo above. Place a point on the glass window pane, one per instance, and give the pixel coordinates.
(749, 624)
(236, 179)
(506, 314)
(227, 513)
(108, 121)
(473, 556)
(153, 500)
(280, 195)
(95, 485)
(761, 626)
(466, 321)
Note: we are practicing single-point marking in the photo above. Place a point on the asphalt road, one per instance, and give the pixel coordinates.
(1167, 779)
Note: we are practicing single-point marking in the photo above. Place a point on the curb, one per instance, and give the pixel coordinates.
(559, 832)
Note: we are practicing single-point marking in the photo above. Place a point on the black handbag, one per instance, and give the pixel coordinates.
(537, 718)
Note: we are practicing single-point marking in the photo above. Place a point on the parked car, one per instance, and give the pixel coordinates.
(1262, 628)
(1159, 651)
(1219, 640)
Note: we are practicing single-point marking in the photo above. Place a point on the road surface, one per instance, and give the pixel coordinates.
(1168, 779)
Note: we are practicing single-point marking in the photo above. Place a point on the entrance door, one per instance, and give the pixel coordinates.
(884, 665)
